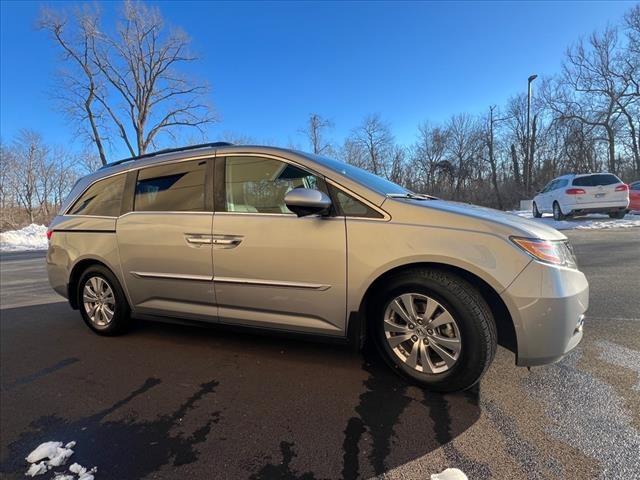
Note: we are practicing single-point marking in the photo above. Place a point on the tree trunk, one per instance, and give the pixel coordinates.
(494, 180)
(635, 136)
(532, 150)
(516, 166)
(612, 149)
(94, 128)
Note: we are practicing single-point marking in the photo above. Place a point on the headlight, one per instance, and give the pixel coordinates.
(555, 252)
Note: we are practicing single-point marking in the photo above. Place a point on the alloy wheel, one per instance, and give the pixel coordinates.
(99, 301)
(422, 333)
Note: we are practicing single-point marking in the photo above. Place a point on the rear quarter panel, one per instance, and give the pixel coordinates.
(76, 238)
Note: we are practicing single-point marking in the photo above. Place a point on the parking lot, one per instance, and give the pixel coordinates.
(171, 401)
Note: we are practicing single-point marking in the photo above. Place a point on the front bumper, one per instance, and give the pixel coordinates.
(547, 305)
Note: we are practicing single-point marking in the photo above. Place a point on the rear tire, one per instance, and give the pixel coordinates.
(557, 212)
(619, 214)
(102, 302)
(536, 212)
(456, 351)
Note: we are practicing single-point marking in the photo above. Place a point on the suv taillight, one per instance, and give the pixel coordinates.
(622, 188)
(574, 191)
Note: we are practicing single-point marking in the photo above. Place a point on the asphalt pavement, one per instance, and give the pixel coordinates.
(176, 402)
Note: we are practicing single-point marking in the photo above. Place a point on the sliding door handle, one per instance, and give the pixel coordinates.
(226, 241)
(199, 239)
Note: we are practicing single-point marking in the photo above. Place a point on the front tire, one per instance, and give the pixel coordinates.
(536, 212)
(557, 212)
(434, 329)
(619, 214)
(102, 302)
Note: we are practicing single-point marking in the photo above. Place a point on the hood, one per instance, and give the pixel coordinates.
(492, 220)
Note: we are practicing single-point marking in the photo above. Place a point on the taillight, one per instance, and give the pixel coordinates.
(622, 188)
(574, 191)
(49, 234)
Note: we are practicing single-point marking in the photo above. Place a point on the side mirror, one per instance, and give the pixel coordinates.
(305, 201)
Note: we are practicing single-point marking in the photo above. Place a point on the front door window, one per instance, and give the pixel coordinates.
(259, 185)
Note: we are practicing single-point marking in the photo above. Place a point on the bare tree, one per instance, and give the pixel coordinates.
(428, 152)
(7, 167)
(45, 181)
(489, 138)
(315, 132)
(29, 152)
(587, 90)
(64, 174)
(627, 73)
(463, 147)
(397, 165)
(516, 123)
(374, 137)
(579, 148)
(132, 79)
(632, 24)
(80, 86)
(86, 162)
(351, 152)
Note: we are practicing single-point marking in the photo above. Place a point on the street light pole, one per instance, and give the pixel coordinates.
(529, 170)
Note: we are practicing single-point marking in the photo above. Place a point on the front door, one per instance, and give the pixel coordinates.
(545, 198)
(271, 268)
(165, 241)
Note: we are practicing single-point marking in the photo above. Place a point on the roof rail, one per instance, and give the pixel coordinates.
(167, 150)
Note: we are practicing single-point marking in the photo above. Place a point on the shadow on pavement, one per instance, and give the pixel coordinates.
(222, 404)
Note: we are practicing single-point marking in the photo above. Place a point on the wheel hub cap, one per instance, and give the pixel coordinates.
(422, 333)
(99, 301)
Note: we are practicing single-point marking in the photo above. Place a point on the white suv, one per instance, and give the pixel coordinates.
(572, 195)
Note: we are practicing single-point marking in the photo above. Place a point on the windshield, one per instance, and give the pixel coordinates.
(369, 180)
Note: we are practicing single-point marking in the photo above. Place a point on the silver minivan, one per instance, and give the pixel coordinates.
(277, 239)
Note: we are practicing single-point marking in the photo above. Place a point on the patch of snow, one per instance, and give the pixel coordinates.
(589, 222)
(48, 455)
(449, 474)
(77, 468)
(82, 472)
(44, 450)
(37, 469)
(32, 237)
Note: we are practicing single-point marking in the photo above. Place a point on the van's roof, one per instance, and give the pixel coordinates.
(201, 150)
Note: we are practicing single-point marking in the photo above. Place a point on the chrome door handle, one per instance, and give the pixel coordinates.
(226, 241)
(199, 239)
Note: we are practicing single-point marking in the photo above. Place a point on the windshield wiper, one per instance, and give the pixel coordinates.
(412, 196)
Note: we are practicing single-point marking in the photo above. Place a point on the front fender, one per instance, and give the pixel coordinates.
(375, 249)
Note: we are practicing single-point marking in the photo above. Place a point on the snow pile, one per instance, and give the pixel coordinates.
(33, 237)
(449, 474)
(590, 222)
(49, 455)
